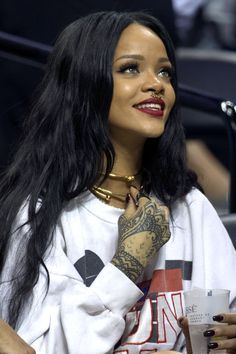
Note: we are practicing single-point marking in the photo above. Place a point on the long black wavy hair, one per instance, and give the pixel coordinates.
(67, 136)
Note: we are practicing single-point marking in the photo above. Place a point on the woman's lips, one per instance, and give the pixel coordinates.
(154, 107)
(152, 112)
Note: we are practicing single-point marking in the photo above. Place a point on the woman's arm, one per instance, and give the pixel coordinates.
(11, 343)
(73, 318)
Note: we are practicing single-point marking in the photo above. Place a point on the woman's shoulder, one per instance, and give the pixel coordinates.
(194, 198)
(194, 205)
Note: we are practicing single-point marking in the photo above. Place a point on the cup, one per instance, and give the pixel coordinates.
(200, 306)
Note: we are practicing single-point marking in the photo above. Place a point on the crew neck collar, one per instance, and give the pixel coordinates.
(98, 208)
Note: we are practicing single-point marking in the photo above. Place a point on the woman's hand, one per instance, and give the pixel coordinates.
(214, 333)
(228, 330)
(11, 343)
(143, 230)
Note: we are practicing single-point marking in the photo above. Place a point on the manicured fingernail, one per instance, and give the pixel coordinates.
(127, 199)
(209, 333)
(212, 345)
(218, 318)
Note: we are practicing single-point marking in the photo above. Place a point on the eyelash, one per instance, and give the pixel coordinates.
(135, 66)
(167, 70)
(126, 66)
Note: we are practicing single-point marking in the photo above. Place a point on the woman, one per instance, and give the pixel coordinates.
(104, 147)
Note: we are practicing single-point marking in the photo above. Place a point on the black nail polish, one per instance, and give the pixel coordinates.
(127, 199)
(218, 318)
(212, 345)
(209, 333)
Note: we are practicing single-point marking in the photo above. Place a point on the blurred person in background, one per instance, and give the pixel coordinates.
(207, 24)
(220, 19)
(186, 14)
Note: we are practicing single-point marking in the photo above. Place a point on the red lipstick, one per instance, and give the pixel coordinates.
(152, 106)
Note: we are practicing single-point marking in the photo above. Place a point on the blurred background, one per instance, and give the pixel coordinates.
(204, 35)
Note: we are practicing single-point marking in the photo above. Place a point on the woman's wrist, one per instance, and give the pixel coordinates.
(127, 264)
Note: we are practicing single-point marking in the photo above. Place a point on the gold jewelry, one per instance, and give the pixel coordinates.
(106, 195)
(127, 178)
(155, 94)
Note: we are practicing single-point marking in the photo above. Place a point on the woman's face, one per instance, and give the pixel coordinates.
(140, 68)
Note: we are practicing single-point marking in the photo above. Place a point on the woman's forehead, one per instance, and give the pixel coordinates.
(137, 40)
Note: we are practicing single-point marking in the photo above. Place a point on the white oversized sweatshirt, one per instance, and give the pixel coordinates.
(93, 308)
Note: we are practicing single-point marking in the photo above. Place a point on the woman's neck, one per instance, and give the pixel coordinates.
(127, 163)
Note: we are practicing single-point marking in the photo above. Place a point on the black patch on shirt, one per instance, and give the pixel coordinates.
(89, 267)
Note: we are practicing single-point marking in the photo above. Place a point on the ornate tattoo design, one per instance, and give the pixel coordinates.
(141, 237)
(128, 265)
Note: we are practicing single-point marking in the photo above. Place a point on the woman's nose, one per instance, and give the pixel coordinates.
(153, 83)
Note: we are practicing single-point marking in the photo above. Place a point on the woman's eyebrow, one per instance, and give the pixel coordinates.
(141, 57)
(130, 56)
(164, 60)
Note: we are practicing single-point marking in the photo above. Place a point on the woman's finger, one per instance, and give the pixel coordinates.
(229, 318)
(183, 324)
(132, 204)
(140, 197)
(222, 331)
(134, 192)
(142, 194)
(229, 344)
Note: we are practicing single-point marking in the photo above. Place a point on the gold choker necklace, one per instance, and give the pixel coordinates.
(106, 195)
(127, 178)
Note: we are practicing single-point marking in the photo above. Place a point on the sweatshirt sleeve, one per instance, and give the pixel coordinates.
(214, 256)
(73, 318)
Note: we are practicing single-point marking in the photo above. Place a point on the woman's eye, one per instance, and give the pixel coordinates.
(166, 73)
(130, 69)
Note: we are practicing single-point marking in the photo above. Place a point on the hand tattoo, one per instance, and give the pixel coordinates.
(128, 265)
(141, 237)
